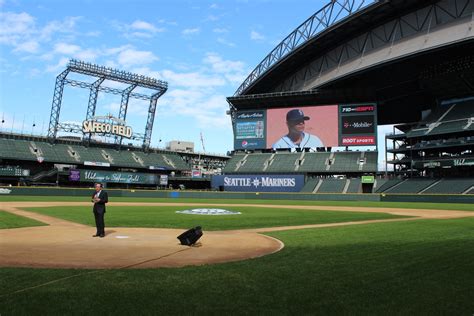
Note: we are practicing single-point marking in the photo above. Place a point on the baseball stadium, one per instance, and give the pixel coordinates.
(311, 211)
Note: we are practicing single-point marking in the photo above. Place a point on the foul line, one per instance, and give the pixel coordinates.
(91, 272)
(150, 260)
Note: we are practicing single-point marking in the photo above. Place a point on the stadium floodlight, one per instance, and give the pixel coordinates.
(103, 73)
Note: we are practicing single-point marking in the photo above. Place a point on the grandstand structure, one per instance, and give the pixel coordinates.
(439, 146)
(412, 60)
(33, 160)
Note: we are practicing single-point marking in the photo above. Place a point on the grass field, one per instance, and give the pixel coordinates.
(414, 205)
(415, 267)
(8, 220)
(166, 217)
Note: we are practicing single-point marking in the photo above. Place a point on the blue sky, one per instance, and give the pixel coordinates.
(203, 49)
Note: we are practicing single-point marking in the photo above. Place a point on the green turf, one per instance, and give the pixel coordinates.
(166, 217)
(422, 267)
(8, 220)
(415, 205)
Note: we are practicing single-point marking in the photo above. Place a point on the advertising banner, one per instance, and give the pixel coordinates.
(14, 172)
(443, 163)
(249, 130)
(368, 179)
(74, 175)
(163, 179)
(115, 177)
(357, 125)
(258, 183)
(96, 164)
(196, 174)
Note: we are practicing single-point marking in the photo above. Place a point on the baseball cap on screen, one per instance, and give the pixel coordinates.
(296, 115)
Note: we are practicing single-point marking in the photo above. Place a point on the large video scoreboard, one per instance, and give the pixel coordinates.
(309, 126)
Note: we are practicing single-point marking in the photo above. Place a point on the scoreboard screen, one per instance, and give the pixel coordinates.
(307, 127)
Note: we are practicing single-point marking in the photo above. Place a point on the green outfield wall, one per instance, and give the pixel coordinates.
(48, 191)
(428, 198)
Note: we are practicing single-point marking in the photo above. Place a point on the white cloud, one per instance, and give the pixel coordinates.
(233, 71)
(137, 29)
(66, 49)
(225, 42)
(20, 31)
(191, 31)
(163, 21)
(15, 23)
(220, 30)
(93, 34)
(212, 17)
(67, 25)
(134, 107)
(254, 35)
(87, 55)
(192, 79)
(59, 66)
(236, 78)
(145, 71)
(15, 26)
(222, 66)
(28, 47)
(116, 50)
(213, 122)
(143, 29)
(145, 26)
(207, 110)
(131, 57)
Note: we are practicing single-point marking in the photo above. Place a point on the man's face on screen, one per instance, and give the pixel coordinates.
(296, 126)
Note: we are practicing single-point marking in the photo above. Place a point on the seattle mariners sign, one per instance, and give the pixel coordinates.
(259, 183)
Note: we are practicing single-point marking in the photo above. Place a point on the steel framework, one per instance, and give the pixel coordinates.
(105, 73)
(330, 14)
(419, 23)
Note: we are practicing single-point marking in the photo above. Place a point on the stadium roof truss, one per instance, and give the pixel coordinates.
(329, 15)
(348, 30)
(104, 73)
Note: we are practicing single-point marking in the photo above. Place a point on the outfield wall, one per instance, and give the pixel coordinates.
(439, 198)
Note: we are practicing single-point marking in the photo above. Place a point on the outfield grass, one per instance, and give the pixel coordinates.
(422, 267)
(414, 205)
(9, 220)
(166, 217)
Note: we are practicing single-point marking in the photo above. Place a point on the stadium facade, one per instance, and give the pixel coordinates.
(412, 61)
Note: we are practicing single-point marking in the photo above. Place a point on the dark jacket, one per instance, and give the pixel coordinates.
(99, 207)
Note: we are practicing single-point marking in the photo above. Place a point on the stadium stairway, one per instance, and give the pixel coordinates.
(43, 174)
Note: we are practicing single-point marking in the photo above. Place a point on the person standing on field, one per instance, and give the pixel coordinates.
(99, 198)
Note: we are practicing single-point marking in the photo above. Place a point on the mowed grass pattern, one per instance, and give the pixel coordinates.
(422, 267)
(166, 217)
(9, 220)
(415, 205)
